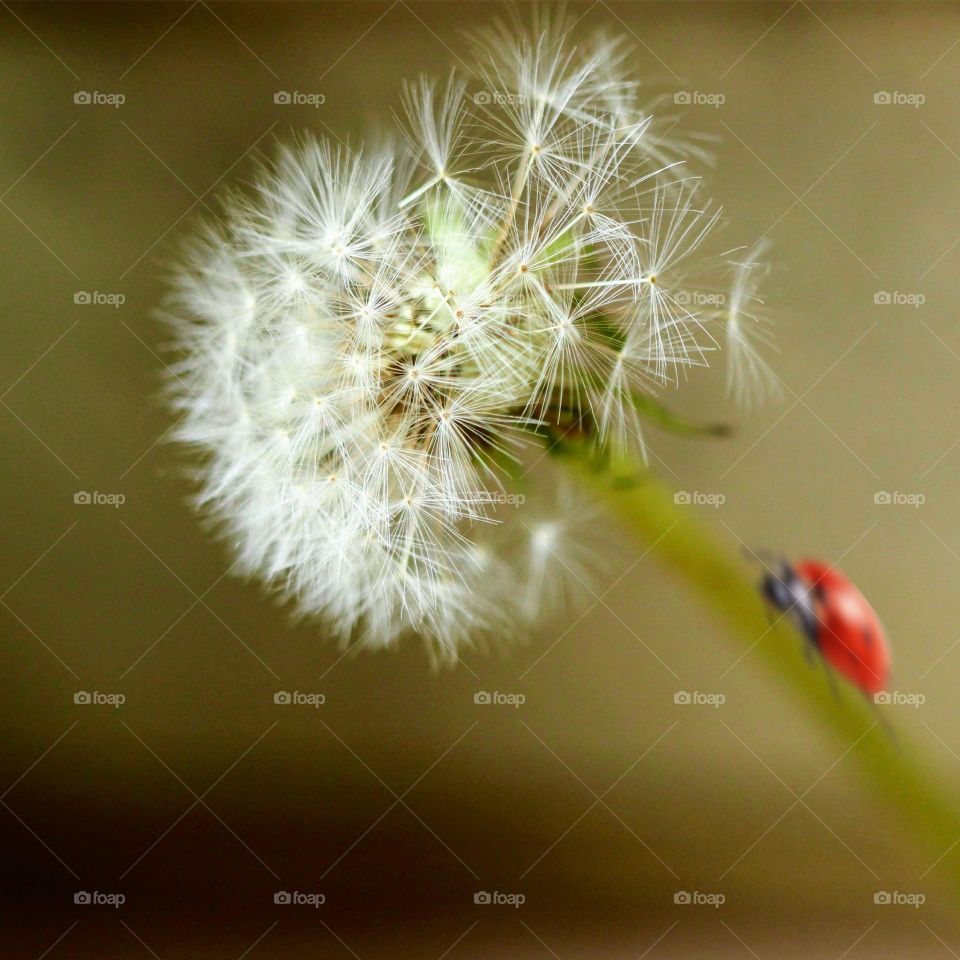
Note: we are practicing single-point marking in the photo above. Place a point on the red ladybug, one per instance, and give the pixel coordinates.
(835, 618)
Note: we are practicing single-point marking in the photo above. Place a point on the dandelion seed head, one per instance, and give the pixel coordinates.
(370, 338)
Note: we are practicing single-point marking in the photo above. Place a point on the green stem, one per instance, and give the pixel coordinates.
(897, 772)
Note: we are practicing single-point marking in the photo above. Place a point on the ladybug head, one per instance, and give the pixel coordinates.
(782, 587)
(786, 590)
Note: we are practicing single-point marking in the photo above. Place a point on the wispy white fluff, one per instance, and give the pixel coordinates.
(368, 338)
(750, 379)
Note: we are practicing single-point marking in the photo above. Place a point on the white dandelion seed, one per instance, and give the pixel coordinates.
(372, 340)
(750, 379)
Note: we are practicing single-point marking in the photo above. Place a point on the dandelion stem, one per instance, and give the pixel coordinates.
(601, 284)
(419, 192)
(897, 772)
(519, 185)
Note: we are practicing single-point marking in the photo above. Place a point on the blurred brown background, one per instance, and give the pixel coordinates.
(400, 798)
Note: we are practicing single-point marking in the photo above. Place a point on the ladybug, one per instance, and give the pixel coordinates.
(835, 618)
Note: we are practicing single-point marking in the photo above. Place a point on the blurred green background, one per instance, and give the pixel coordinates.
(400, 798)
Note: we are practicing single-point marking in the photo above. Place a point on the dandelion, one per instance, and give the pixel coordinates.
(372, 344)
